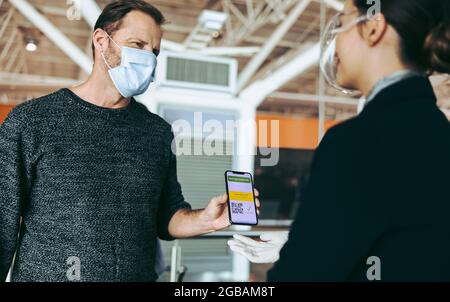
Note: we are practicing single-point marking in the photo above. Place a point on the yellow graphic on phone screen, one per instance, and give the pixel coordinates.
(241, 196)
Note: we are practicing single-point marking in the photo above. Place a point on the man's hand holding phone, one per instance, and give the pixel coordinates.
(239, 206)
(217, 212)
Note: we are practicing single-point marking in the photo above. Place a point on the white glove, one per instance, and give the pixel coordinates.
(265, 251)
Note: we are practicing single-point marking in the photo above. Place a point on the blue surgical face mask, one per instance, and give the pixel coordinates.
(136, 71)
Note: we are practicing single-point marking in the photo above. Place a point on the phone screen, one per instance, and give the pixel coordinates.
(242, 207)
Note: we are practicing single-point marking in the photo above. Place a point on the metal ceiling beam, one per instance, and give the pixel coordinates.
(89, 10)
(20, 66)
(259, 13)
(51, 10)
(270, 67)
(253, 39)
(17, 57)
(252, 67)
(54, 34)
(19, 79)
(6, 21)
(8, 45)
(230, 51)
(337, 5)
(259, 90)
(313, 98)
(14, 54)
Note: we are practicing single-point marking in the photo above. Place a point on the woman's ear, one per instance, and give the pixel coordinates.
(375, 28)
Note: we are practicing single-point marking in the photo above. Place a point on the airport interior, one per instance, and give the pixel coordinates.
(222, 61)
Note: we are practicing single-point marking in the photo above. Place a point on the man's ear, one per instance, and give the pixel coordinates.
(100, 40)
(375, 28)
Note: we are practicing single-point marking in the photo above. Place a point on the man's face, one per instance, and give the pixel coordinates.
(138, 30)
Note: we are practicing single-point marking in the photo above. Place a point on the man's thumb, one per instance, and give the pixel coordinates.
(222, 199)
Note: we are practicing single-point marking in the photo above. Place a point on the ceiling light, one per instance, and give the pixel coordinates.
(213, 20)
(31, 45)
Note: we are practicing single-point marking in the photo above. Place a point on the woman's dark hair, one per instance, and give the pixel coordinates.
(424, 29)
(111, 17)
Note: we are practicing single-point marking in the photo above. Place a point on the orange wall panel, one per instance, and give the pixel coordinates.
(294, 133)
(4, 111)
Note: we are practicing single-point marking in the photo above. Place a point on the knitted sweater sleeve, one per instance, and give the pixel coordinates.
(172, 199)
(14, 181)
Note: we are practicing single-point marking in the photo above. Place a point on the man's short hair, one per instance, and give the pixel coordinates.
(111, 17)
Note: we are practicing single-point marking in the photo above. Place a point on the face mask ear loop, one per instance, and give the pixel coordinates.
(104, 59)
(113, 40)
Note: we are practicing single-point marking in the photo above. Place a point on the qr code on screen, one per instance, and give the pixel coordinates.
(237, 208)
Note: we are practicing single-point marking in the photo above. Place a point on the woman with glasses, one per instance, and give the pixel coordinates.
(377, 205)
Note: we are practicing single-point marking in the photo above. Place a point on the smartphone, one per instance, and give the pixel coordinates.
(241, 198)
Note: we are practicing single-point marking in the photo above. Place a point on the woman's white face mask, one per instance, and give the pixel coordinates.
(328, 57)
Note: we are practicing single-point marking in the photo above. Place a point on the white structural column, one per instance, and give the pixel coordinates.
(244, 160)
(54, 34)
(270, 45)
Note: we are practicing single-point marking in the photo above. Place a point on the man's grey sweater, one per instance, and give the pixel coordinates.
(87, 182)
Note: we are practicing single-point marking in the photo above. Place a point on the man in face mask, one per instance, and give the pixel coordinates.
(88, 178)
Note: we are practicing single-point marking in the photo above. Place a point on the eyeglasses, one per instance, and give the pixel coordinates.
(337, 24)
